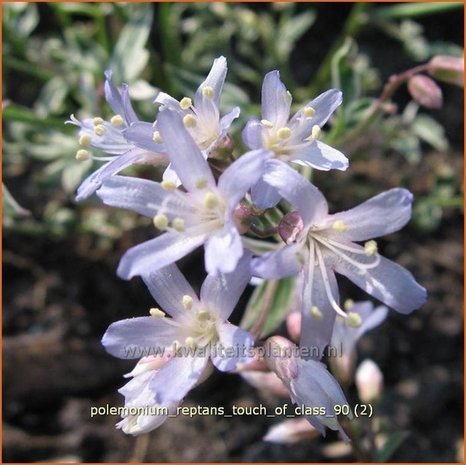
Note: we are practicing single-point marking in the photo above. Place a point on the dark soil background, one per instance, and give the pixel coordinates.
(59, 296)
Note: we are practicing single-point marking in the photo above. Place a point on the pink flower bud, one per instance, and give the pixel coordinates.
(293, 325)
(266, 381)
(242, 217)
(290, 227)
(280, 356)
(448, 69)
(291, 431)
(369, 381)
(425, 91)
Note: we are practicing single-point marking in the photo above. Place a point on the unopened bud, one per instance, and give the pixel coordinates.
(293, 325)
(425, 91)
(290, 227)
(447, 69)
(278, 355)
(242, 216)
(291, 431)
(369, 381)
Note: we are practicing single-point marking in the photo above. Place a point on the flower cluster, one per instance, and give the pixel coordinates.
(196, 203)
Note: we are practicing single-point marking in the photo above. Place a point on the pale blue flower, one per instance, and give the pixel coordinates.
(196, 332)
(203, 214)
(295, 139)
(109, 137)
(325, 245)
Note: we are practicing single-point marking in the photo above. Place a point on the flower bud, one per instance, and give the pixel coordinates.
(278, 355)
(291, 431)
(265, 381)
(425, 91)
(293, 325)
(448, 69)
(242, 216)
(290, 227)
(369, 381)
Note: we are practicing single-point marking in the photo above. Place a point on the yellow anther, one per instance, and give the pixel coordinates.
(349, 304)
(316, 313)
(98, 120)
(353, 320)
(187, 302)
(210, 200)
(99, 129)
(117, 121)
(288, 94)
(266, 123)
(339, 226)
(190, 342)
(309, 112)
(85, 139)
(315, 132)
(284, 133)
(178, 224)
(156, 312)
(82, 155)
(189, 121)
(185, 103)
(201, 183)
(157, 138)
(203, 314)
(370, 248)
(208, 92)
(176, 346)
(168, 185)
(160, 221)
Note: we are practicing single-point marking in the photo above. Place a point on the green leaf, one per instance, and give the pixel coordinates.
(391, 445)
(10, 206)
(73, 174)
(272, 299)
(291, 31)
(130, 55)
(430, 131)
(52, 96)
(414, 9)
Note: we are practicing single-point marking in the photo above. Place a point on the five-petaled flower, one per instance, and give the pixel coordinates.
(295, 139)
(196, 332)
(109, 137)
(203, 214)
(325, 244)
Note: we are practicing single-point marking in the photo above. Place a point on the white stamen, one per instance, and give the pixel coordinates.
(85, 139)
(210, 200)
(208, 92)
(354, 320)
(187, 302)
(178, 224)
(160, 221)
(99, 129)
(117, 121)
(157, 138)
(266, 123)
(339, 226)
(370, 248)
(185, 103)
(157, 313)
(82, 155)
(189, 121)
(309, 112)
(328, 290)
(315, 132)
(316, 313)
(284, 133)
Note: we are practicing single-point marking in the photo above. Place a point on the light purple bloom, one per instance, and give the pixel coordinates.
(202, 215)
(109, 137)
(294, 139)
(326, 245)
(309, 383)
(201, 116)
(196, 332)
